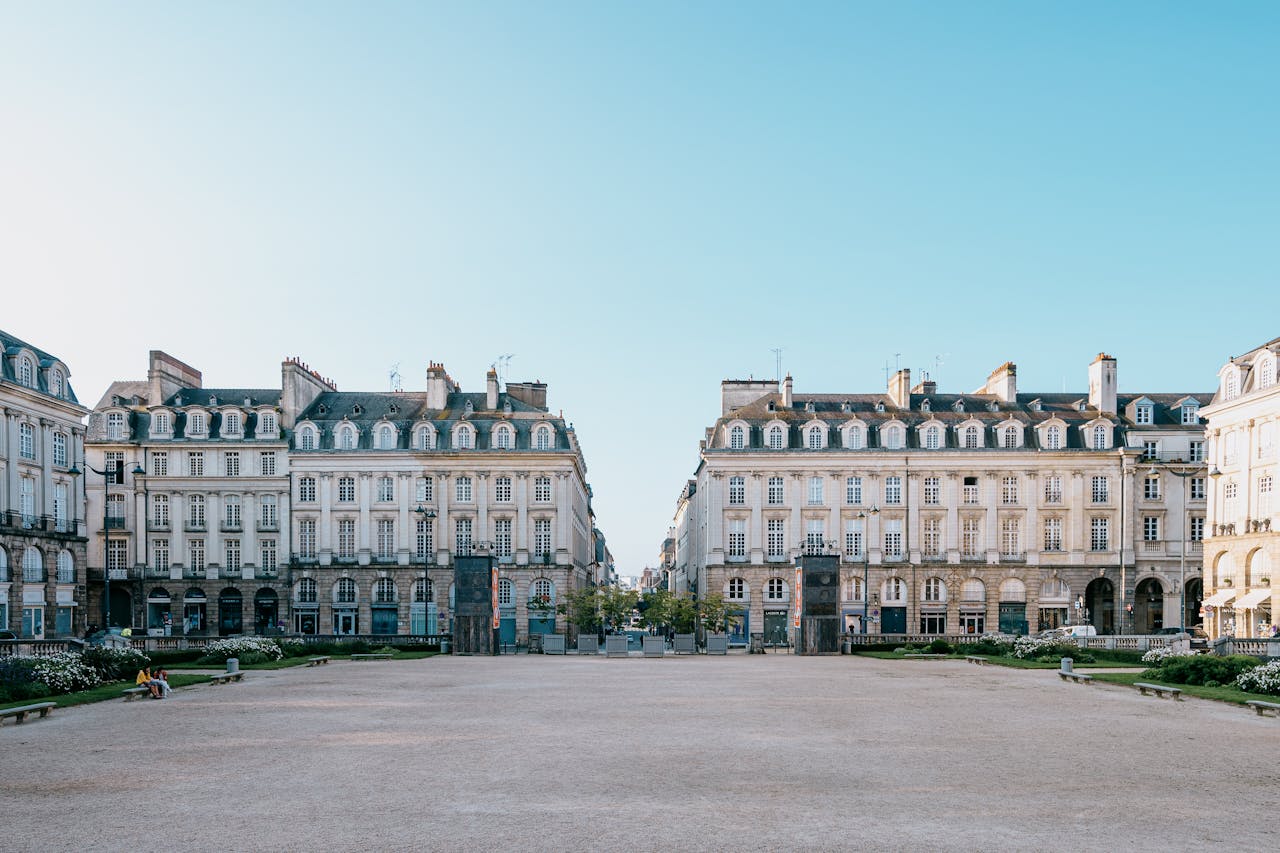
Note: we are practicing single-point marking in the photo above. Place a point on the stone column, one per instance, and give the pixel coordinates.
(364, 536)
(521, 543)
(46, 467)
(403, 499)
(324, 530)
(755, 528)
(444, 533)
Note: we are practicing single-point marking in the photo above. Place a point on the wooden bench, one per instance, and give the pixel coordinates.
(1264, 709)
(225, 677)
(317, 660)
(1158, 690)
(921, 655)
(978, 659)
(373, 656)
(131, 693)
(20, 714)
(1077, 677)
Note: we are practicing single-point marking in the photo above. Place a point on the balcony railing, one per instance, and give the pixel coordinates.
(231, 527)
(114, 522)
(195, 527)
(268, 526)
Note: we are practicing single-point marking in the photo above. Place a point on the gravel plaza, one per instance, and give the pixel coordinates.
(689, 753)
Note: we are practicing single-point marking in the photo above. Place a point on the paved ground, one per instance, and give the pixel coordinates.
(562, 753)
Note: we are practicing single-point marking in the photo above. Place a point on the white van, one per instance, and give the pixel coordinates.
(1078, 631)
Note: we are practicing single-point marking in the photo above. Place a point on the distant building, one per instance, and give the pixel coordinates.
(997, 509)
(42, 540)
(1243, 539)
(303, 508)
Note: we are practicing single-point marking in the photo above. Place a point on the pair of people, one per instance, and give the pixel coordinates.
(157, 684)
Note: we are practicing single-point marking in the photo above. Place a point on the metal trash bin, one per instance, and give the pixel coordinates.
(1066, 664)
(233, 664)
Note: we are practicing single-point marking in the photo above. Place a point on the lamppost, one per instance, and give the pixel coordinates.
(107, 476)
(866, 561)
(1182, 544)
(428, 517)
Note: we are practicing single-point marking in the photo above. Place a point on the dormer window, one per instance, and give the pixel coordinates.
(26, 372)
(347, 437)
(426, 438)
(115, 425)
(386, 437)
(846, 406)
(267, 425)
(959, 406)
(1190, 415)
(196, 424)
(462, 438)
(893, 437)
(971, 437)
(355, 409)
(815, 437)
(56, 383)
(160, 424)
(506, 407)
(542, 438)
(737, 438)
(1053, 437)
(1037, 406)
(468, 408)
(1080, 405)
(392, 409)
(808, 407)
(932, 438)
(322, 409)
(879, 407)
(1010, 436)
(924, 405)
(993, 406)
(1099, 437)
(1142, 414)
(776, 439)
(231, 424)
(307, 438)
(1232, 385)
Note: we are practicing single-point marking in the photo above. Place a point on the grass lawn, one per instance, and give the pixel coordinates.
(1014, 663)
(1222, 694)
(104, 692)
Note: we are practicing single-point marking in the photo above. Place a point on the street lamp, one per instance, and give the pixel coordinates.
(866, 561)
(107, 476)
(1182, 529)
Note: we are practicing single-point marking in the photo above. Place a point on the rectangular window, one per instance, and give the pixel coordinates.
(307, 539)
(160, 424)
(267, 426)
(195, 555)
(160, 554)
(60, 505)
(542, 490)
(268, 517)
(195, 463)
(932, 530)
(1264, 496)
(1197, 451)
(115, 425)
(1053, 490)
(932, 491)
(231, 464)
(267, 463)
(1009, 490)
(1151, 488)
(346, 538)
(117, 555)
(1198, 489)
(195, 511)
(1190, 416)
(1150, 528)
(386, 490)
(893, 490)
(115, 509)
(1010, 538)
(28, 503)
(542, 537)
(853, 539)
(775, 491)
(270, 559)
(307, 490)
(60, 449)
(893, 539)
(502, 538)
(970, 538)
(853, 490)
(425, 540)
(815, 533)
(737, 491)
(1142, 415)
(1099, 534)
(114, 466)
(160, 510)
(462, 536)
(346, 490)
(160, 463)
(386, 538)
(502, 489)
(1150, 450)
(26, 441)
(462, 490)
(1053, 534)
(232, 554)
(737, 539)
(776, 539)
(425, 490)
(815, 491)
(1197, 528)
(1100, 490)
(970, 490)
(231, 512)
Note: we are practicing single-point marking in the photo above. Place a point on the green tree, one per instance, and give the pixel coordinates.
(582, 609)
(716, 613)
(617, 606)
(655, 609)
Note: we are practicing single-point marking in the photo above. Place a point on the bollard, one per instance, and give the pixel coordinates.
(233, 664)
(1066, 664)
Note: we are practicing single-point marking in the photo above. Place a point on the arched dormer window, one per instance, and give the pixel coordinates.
(347, 437)
(307, 437)
(542, 439)
(932, 437)
(424, 438)
(503, 437)
(737, 437)
(1266, 371)
(161, 425)
(1098, 437)
(815, 437)
(231, 425)
(1053, 437)
(386, 437)
(970, 437)
(777, 437)
(57, 383)
(1009, 436)
(855, 437)
(26, 372)
(197, 424)
(891, 436)
(463, 437)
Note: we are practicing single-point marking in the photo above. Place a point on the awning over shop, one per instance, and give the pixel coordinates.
(1220, 598)
(1250, 600)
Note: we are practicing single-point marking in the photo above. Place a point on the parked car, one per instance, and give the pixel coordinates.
(8, 635)
(1068, 632)
(1199, 639)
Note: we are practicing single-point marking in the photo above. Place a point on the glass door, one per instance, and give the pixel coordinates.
(33, 622)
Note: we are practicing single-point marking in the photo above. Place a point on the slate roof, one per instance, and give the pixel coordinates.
(12, 345)
(225, 397)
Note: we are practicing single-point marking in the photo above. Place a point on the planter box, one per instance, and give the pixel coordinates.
(684, 644)
(553, 644)
(615, 646)
(655, 647)
(717, 644)
(588, 644)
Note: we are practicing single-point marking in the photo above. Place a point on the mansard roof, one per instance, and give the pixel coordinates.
(224, 396)
(12, 345)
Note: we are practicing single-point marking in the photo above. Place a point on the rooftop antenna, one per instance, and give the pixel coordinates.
(501, 365)
(394, 376)
(937, 364)
(777, 357)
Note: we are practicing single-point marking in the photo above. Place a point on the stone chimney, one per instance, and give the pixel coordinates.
(787, 396)
(1102, 384)
(299, 386)
(928, 388)
(530, 393)
(900, 388)
(491, 390)
(1002, 383)
(166, 376)
(736, 393)
(439, 386)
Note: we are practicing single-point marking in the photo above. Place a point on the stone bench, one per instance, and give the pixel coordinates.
(1264, 709)
(317, 660)
(1158, 690)
(922, 656)
(131, 693)
(373, 656)
(226, 677)
(978, 659)
(1078, 678)
(20, 714)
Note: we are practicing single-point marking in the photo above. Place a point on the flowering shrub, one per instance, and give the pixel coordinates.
(115, 664)
(1261, 679)
(990, 643)
(1158, 656)
(65, 672)
(1200, 669)
(246, 649)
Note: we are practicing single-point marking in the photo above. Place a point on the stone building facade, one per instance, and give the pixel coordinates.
(42, 538)
(1242, 544)
(307, 509)
(953, 513)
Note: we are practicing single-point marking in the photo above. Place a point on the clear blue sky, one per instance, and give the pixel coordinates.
(640, 200)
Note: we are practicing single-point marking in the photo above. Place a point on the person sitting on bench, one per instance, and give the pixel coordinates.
(161, 678)
(146, 680)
